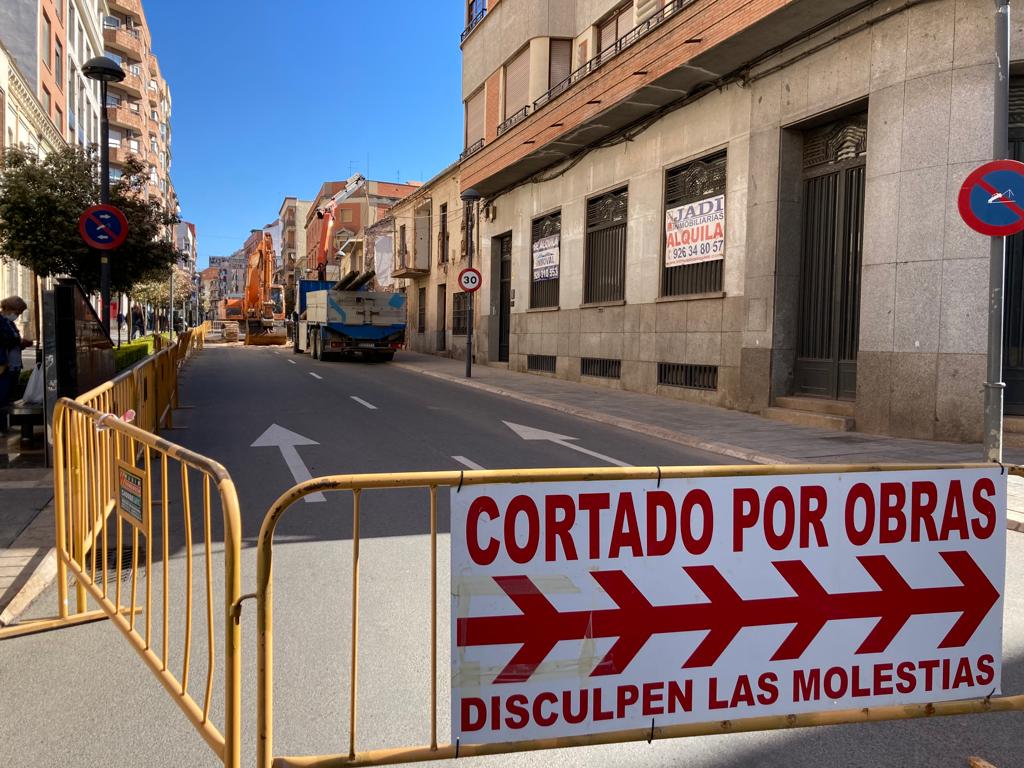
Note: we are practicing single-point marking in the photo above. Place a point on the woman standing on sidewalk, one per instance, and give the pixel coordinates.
(11, 345)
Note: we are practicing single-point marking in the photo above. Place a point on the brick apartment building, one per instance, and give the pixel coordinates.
(745, 204)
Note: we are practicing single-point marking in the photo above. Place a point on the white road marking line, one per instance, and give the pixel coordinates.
(293, 362)
(316, 376)
(467, 463)
(362, 402)
(531, 433)
(287, 441)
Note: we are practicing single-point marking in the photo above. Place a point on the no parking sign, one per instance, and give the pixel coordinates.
(991, 199)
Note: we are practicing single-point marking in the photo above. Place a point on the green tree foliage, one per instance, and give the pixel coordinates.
(41, 200)
(154, 291)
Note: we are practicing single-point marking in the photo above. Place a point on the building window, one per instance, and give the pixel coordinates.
(421, 311)
(58, 63)
(694, 267)
(545, 260)
(403, 248)
(59, 122)
(475, 118)
(561, 62)
(517, 83)
(346, 215)
(113, 100)
(46, 42)
(460, 313)
(442, 235)
(604, 265)
(47, 102)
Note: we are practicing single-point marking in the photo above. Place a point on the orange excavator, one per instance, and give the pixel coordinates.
(263, 303)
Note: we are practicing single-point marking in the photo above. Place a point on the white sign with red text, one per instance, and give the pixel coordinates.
(582, 607)
(695, 232)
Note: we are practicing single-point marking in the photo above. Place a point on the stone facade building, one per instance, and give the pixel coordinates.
(750, 205)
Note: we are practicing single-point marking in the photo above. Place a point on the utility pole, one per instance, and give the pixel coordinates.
(469, 198)
(994, 384)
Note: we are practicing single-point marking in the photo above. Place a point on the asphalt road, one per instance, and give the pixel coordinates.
(80, 696)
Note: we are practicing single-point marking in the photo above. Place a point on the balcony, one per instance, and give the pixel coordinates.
(124, 117)
(472, 149)
(675, 54)
(125, 40)
(132, 84)
(514, 120)
(127, 7)
(119, 155)
(477, 11)
(406, 266)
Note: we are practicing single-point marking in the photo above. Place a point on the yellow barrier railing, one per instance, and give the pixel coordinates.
(432, 481)
(109, 523)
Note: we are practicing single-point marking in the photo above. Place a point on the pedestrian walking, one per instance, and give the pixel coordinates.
(11, 345)
(138, 322)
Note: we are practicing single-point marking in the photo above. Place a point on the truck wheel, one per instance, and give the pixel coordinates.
(316, 346)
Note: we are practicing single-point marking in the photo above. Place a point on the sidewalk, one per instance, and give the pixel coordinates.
(732, 434)
(27, 561)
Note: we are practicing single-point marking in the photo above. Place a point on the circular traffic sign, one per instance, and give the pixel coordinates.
(103, 227)
(991, 199)
(469, 279)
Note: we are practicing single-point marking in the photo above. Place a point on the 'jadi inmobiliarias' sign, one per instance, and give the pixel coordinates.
(695, 232)
(545, 258)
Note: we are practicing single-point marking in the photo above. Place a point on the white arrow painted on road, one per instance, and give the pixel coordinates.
(531, 433)
(279, 437)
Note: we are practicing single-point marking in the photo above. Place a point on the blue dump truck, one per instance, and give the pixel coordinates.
(337, 319)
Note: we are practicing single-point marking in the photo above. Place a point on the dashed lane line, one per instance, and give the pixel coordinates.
(293, 362)
(316, 376)
(363, 403)
(467, 462)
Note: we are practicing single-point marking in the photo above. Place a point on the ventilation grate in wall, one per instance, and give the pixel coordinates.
(601, 366)
(688, 375)
(542, 363)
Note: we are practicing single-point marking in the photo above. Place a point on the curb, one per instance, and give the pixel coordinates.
(1014, 522)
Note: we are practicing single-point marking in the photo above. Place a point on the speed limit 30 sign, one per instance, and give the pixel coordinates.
(469, 279)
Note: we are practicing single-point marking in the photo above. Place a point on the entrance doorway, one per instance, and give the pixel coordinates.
(830, 259)
(504, 295)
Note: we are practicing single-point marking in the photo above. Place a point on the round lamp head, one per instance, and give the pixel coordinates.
(470, 195)
(103, 69)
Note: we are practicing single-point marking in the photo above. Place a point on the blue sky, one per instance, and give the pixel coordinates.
(273, 98)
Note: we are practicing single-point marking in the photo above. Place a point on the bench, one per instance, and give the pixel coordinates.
(27, 416)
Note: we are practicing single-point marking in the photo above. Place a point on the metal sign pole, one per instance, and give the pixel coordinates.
(994, 385)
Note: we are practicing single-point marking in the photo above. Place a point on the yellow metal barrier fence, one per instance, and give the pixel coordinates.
(432, 481)
(109, 523)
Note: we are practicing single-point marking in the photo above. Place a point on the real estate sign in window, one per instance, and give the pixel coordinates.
(695, 232)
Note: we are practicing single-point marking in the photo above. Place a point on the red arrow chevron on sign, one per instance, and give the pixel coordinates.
(635, 620)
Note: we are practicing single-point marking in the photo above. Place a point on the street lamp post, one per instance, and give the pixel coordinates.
(105, 71)
(470, 197)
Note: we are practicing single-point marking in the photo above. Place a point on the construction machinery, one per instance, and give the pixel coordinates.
(263, 302)
(346, 318)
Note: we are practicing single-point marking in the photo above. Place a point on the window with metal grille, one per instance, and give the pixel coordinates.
(545, 260)
(603, 367)
(442, 235)
(604, 266)
(690, 183)
(421, 311)
(541, 363)
(460, 313)
(688, 375)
